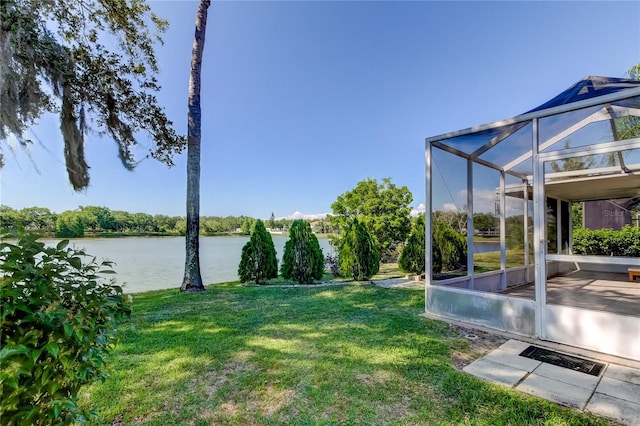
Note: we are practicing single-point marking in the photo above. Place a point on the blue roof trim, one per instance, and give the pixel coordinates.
(587, 88)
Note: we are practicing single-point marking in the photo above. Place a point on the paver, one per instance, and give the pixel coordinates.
(619, 389)
(626, 374)
(512, 360)
(624, 412)
(495, 372)
(553, 390)
(565, 375)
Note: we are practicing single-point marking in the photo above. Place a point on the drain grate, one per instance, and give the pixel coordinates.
(561, 360)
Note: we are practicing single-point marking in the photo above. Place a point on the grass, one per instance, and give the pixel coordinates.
(353, 354)
(387, 270)
(490, 261)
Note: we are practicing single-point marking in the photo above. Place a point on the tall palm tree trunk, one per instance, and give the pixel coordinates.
(192, 280)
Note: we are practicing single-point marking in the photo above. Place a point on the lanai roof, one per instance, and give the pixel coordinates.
(584, 114)
(587, 88)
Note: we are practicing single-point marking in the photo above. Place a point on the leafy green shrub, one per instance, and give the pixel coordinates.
(58, 325)
(258, 262)
(607, 242)
(359, 256)
(436, 258)
(452, 245)
(412, 259)
(302, 259)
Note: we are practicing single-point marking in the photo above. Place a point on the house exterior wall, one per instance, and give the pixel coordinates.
(603, 214)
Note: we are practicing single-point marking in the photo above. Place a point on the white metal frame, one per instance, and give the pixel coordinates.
(537, 181)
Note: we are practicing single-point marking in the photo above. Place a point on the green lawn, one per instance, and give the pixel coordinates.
(490, 261)
(353, 354)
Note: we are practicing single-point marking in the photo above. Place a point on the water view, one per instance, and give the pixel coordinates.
(154, 263)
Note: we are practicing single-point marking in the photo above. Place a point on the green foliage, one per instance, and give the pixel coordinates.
(102, 220)
(412, 259)
(302, 259)
(359, 257)
(607, 242)
(28, 218)
(485, 221)
(70, 225)
(247, 226)
(58, 325)
(515, 231)
(98, 218)
(452, 246)
(272, 221)
(573, 163)
(382, 207)
(55, 58)
(627, 127)
(634, 72)
(436, 257)
(457, 220)
(258, 262)
(576, 215)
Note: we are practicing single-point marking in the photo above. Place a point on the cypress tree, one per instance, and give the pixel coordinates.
(302, 260)
(412, 259)
(452, 246)
(258, 262)
(359, 256)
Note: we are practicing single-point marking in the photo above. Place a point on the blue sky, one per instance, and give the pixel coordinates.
(301, 100)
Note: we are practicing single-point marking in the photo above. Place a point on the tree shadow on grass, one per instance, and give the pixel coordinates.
(330, 355)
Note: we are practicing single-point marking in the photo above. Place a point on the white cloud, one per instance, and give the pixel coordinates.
(449, 207)
(418, 210)
(300, 215)
(484, 201)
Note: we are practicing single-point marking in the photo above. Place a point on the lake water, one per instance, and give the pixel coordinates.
(154, 263)
(485, 246)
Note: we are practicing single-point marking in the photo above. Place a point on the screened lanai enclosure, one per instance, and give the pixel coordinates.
(516, 190)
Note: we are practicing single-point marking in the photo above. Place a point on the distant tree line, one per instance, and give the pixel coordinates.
(102, 221)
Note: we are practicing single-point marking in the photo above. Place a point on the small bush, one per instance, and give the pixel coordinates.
(359, 256)
(302, 259)
(607, 242)
(412, 259)
(58, 325)
(258, 262)
(452, 245)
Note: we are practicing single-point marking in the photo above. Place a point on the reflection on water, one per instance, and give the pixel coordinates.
(154, 263)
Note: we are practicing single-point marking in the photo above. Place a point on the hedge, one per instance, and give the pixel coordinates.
(607, 242)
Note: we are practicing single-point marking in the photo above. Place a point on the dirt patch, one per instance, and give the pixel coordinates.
(274, 399)
(479, 344)
(214, 380)
(389, 413)
(379, 377)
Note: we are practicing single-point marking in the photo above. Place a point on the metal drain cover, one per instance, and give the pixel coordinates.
(562, 360)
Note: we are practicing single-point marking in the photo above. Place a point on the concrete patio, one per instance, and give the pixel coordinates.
(599, 291)
(614, 394)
